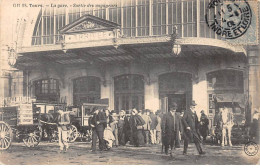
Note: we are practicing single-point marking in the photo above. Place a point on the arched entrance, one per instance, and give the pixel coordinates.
(175, 87)
(86, 90)
(129, 92)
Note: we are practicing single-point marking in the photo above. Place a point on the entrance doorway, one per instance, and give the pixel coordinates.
(167, 102)
(175, 87)
(180, 99)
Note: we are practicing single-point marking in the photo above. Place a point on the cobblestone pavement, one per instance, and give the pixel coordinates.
(79, 154)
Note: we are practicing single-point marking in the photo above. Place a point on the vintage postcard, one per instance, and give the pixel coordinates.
(129, 82)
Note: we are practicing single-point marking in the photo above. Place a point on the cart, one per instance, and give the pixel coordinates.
(236, 105)
(81, 119)
(49, 127)
(19, 123)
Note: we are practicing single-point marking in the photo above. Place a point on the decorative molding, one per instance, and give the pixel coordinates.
(88, 23)
(85, 26)
(212, 43)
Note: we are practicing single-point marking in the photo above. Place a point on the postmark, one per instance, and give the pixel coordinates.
(229, 19)
(251, 148)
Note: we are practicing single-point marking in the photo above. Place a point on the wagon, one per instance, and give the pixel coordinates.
(235, 104)
(50, 131)
(19, 123)
(81, 119)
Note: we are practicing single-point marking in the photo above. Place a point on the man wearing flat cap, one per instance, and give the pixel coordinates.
(170, 128)
(190, 126)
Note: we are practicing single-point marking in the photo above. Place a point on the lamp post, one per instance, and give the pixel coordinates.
(12, 57)
(176, 48)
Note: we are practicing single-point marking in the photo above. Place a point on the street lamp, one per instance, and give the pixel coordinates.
(176, 48)
(12, 57)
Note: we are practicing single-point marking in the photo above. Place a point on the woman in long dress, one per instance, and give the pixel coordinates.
(108, 134)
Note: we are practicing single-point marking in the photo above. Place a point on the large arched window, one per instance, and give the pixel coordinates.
(86, 90)
(129, 92)
(225, 88)
(133, 16)
(47, 90)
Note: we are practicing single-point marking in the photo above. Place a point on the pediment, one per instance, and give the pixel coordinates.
(88, 23)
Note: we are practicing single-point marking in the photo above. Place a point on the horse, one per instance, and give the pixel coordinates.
(49, 121)
(226, 119)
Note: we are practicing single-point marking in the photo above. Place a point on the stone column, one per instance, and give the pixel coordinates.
(253, 77)
(17, 84)
(151, 94)
(199, 93)
(4, 84)
(107, 91)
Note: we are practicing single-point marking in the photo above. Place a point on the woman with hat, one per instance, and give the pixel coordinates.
(137, 128)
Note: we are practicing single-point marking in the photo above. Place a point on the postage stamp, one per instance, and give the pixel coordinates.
(231, 19)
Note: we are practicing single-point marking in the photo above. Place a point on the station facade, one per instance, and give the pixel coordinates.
(128, 54)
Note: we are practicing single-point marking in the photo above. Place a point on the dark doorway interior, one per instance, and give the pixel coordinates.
(180, 99)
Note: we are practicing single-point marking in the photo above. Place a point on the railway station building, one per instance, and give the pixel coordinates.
(143, 54)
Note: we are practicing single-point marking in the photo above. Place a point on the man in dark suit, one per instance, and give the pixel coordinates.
(190, 126)
(170, 128)
(98, 124)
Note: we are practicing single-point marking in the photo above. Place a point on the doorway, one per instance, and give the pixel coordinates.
(175, 87)
(167, 102)
(179, 99)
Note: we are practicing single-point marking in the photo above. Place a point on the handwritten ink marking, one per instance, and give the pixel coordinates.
(229, 19)
(251, 148)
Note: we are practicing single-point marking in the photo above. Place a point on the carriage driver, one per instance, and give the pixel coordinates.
(63, 120)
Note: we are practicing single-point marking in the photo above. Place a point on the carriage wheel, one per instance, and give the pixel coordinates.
(89, 135)
(5, 136)
(73, 133)
(33, 138)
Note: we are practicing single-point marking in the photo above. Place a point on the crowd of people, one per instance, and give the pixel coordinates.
(147, 127)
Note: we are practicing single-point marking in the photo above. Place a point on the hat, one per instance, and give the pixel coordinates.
(94, 109)
(134, 111)
(193, 103)
(173, 106)
(158, 112)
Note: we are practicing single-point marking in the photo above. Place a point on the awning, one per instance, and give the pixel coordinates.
(231, 98)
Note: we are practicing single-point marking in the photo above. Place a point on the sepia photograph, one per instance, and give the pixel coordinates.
(129, 82)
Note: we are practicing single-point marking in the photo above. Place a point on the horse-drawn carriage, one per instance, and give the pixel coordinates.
(235, 107)
(48, 116)
(19, 123)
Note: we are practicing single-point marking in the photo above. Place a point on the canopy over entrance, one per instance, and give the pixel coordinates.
(235, 99)
(90, 40)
